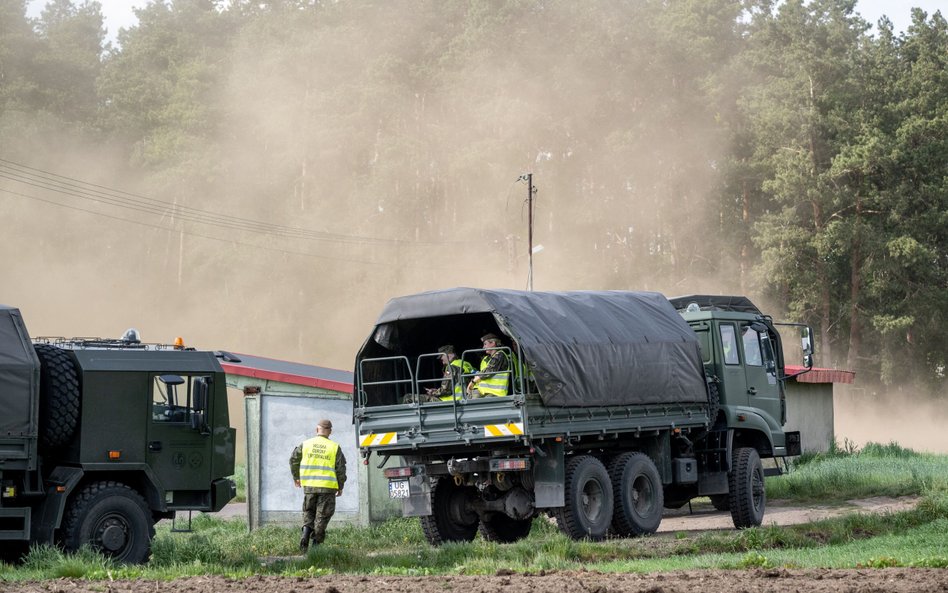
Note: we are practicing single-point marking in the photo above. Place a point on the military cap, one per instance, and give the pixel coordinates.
(324, 423)
(486, 337)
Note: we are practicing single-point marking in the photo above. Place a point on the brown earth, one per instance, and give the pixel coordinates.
(887, 580)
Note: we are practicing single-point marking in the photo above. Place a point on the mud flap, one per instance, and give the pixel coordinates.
(418, 503)
(549, 476)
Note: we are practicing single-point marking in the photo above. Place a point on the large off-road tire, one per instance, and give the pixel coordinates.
(497, 527)
(638, 495)
(587, 513)
(452, 519)
(59, 397)
(112, 519)
(747, 497)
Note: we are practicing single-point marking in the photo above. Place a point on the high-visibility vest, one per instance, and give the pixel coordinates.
(465, 369)
(318, 467)
(495, 384)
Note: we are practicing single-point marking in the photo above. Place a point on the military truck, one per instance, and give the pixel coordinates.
(101, 438)
(619, 405)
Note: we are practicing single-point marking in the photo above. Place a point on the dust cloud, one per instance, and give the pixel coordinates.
(394, 139)
(370, 154)
(881, 415)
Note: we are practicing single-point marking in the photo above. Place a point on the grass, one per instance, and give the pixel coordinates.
(398, 547)
(847, 473)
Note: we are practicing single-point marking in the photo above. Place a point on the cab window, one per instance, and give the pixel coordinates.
(729, 344)
(172, 399)
(751, 341)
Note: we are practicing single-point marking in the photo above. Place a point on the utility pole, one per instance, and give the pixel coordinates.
(528, 177)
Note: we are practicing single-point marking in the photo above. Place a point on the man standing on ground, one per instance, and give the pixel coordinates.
(319, 466)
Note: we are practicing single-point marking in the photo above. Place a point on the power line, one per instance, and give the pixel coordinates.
(193, 234)
(46, 180)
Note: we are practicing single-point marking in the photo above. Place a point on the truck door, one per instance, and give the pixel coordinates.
(734, 381)
(761, 370)
(179, 450)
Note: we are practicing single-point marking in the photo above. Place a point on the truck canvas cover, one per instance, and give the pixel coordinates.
(584, 348)
(19, 375)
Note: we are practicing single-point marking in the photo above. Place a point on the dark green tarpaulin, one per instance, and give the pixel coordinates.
(585, 348)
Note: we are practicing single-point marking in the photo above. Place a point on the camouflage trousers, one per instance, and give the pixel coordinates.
(318, 509)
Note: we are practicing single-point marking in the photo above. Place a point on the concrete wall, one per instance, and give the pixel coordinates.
(280, 417)
(810, 410)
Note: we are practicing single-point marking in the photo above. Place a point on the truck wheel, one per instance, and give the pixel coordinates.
(720, 502)
(637, 490)
(59, 397)
(111, 518)
(452, 519)
(497, 527)
(746, 495)
(588, 496)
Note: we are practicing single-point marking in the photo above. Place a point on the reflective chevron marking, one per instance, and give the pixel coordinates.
(373, 440)
(503, 430)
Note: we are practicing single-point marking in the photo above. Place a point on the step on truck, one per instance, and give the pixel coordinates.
(618, 405)
(101, 438)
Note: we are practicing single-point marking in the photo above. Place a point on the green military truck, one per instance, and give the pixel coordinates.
(100, 439)
(620, 404)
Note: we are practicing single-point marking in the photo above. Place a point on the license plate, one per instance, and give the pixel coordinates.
(398, 489)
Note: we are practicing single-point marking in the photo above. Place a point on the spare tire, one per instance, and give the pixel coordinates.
(59, 397)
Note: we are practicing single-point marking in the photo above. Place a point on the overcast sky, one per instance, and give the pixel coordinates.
(118, 13)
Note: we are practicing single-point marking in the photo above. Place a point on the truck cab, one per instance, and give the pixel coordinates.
(102, 438)
(742, 354)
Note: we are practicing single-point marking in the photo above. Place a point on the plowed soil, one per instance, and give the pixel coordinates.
(888, 580)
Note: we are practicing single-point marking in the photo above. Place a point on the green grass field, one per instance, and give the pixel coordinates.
(397, 547)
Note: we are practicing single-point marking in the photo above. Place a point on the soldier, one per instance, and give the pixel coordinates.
(494, 371)
(319, 465)
(454, 368)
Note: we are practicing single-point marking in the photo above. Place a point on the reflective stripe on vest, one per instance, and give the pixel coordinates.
(495, 384)
(318, 467)
(466, 369)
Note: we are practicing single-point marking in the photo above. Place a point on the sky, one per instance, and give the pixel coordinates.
(119, 13)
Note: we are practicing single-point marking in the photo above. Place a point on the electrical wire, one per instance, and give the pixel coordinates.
(68, 186)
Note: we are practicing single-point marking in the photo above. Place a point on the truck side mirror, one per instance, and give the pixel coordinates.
(806, 342)
(200, 394)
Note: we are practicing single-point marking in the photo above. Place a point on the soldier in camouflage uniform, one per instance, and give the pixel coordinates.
(319, 466)
(492, 379)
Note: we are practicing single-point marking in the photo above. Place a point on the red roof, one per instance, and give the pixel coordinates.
(816, 375)
(294, 373)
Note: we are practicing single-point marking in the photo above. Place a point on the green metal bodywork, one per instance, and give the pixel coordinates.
(173, 465)
(500, 447)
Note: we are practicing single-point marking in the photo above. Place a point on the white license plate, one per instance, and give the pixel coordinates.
(398, 489)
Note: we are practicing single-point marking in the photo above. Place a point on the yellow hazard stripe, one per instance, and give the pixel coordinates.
(503, 430)
(372, 439)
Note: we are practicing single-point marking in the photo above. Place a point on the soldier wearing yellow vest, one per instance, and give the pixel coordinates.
(319, 466)
(454, 368)
(491, 380)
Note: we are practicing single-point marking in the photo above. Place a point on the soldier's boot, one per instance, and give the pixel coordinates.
(304, 539)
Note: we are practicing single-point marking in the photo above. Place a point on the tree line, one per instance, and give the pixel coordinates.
(787, 150)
